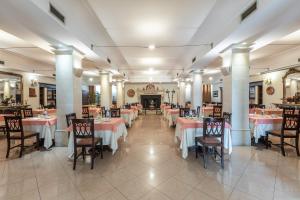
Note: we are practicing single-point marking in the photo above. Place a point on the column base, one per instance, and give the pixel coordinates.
(241, 137)
(61, 138)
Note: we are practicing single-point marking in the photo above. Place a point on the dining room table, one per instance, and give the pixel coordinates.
(128, 115)
(266, 111)
(172, 115)
(207, 111)
(259, 124)
(94, 111)
(44, 125)
(109, 129)
(189, 128)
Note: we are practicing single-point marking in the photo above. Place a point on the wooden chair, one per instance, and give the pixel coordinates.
(84, 137)
(115, 112)
(183, 112)
(261, 106)
(69, 118)
(14, 132)
(289, 130)
(103, 111)
(213, 137)
(217, 111)
(27, 112)
(288, 111)
(86, 112)
(227, 117)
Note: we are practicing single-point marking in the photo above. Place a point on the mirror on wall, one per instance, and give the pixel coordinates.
(10, 88)
(291, 86)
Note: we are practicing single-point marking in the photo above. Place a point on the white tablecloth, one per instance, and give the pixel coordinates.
(187, 138)
(172, 118)
(109, 138)
(128, 118)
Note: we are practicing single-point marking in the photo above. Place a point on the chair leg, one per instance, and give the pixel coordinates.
(205, 156)
(196, 148)
(8, 147)
(282, 146)
(75, 158)
(83, 153)
(37, 142)
(92, 157)
(22, 148)
(222, 157)
(267, 140)
(101, 143)
(297, 146)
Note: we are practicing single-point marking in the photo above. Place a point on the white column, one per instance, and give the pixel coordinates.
(197, 90)
(68, 88)
(105, 89)
(182, 93)
(120, 101)
(240, 95)
(227, 93)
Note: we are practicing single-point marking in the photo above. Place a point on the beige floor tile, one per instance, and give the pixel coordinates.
(134, 189)
(174, 189)
(196, 194)
(155, 195)
(238, 195)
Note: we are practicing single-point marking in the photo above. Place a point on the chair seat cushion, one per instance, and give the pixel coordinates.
(87, 141)
(213, 141)
(27, 134)
(286, 133)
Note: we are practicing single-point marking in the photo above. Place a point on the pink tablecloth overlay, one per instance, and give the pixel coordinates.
(41, 111)
(126, 111)
(264, 119)
(111, 125)
(39, 121)
(267, 111)
(173, 111)
(190, 123)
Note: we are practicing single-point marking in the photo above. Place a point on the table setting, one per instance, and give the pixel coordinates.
(109, 129)
(187, 128)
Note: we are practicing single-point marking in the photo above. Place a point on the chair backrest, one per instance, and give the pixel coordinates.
(288, 111)
(227, 117)
(219, 104)
(13, 112)
(214, 127)
(217, 111)
(115, 112)
(85, 112)
(27, 112)
(290, 122)
(103, 111)
(13, 124)
(173, 106)
(204, 105)
(83, 128)
(261, 106)
(70, 117)
(183, 112)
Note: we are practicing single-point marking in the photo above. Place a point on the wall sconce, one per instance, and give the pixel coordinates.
(268, 81)
(34, 82)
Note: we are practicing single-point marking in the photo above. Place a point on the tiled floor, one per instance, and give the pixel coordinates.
(149, 166)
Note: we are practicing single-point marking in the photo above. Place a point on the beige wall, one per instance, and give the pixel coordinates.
(276, 78)
(161, 86)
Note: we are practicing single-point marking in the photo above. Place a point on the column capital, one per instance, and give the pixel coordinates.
(199, 71)
(241, 48)
(67, 50)
(104, 72)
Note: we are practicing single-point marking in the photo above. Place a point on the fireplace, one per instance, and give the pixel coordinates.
(151, 101)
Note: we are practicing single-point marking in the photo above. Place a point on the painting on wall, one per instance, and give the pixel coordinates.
(215, 93)
(130, 93)
(32, 92)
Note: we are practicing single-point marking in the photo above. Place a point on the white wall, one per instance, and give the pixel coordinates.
(161, 86)
(34, 102)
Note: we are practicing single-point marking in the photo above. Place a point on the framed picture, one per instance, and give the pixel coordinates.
(252, 92)
(215, 93)
(32, 92)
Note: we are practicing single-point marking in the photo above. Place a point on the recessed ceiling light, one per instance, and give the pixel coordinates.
(151, 61)
(91, 79)
(210, 78)
(151, 47)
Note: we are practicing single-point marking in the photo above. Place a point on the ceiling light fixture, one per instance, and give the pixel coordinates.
(151, 47)
(151, 61)
(210, 78)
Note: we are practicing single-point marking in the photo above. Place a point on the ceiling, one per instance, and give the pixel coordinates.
(122, 30)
